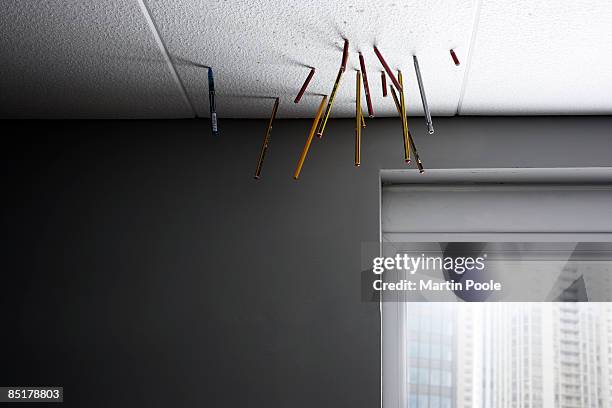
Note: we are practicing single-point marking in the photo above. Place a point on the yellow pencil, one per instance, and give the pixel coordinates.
(266, 142)
(332, 97)
(315, 123)
(413, 147)
(403, 116)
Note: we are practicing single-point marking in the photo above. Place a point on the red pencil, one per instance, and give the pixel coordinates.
(389, 71)
(454, 56)
(306, 82)
(383, 80)
(345, 53)
(366, 87)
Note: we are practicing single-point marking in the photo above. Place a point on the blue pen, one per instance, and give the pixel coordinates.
(211, 98)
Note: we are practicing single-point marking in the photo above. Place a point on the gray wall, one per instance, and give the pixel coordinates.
(145, 267)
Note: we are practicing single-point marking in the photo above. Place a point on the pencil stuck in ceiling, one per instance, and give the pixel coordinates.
(266, 141)
(304, 86)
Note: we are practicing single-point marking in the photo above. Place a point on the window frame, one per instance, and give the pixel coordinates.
(393, 333)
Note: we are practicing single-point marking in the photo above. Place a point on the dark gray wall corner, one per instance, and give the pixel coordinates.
(145, 267)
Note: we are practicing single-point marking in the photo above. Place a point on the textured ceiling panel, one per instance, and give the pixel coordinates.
(261, 49)
(541, 57)
(102, 59)
(83, 58)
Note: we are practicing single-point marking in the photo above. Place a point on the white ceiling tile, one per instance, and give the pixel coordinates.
(83, 59)
(261, 49)
(541, 57)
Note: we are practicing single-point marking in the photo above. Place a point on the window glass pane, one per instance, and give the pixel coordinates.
(424, 350)
(447, 353)
(414, 349)
(435, 377)
(447, 378)
(425, 323)
(423, 376)
(435, 351)
(436, 327)
(413, 375)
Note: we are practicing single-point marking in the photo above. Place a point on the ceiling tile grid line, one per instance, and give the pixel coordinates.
(164, 50)
(470, 54)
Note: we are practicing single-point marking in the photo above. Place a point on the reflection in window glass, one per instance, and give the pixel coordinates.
(435, 377)
(414, 375)
(447, 353)
(426, 324)
(447, 379)
(423, 400)
(414, 349)
(423, 376)
(424, 350)
(434, 351)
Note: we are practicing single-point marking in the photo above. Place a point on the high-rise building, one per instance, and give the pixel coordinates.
(510, 355)
(469, 356)
(432, 338)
